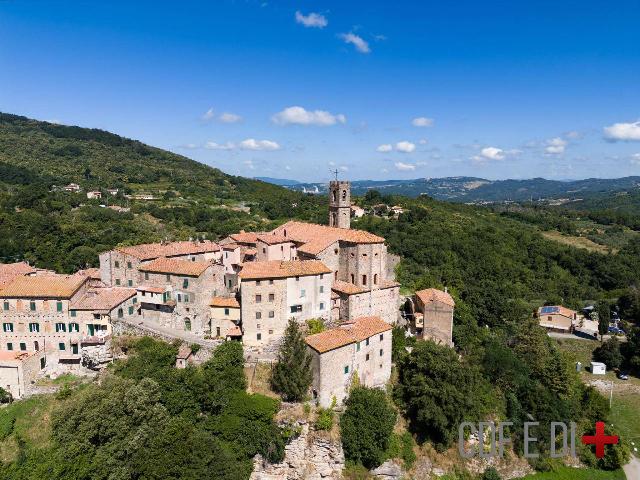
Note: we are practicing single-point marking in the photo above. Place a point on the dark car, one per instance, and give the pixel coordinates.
(623, 376)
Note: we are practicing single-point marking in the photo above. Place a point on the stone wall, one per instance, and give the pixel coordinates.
(311, 456)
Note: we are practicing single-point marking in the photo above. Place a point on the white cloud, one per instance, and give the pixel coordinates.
(555, 146)
(344, 168)
(405, 166)
(384, 148)
(208, 115)
(361, 45)
(228, 117)
(313, 20)
(492, 153)
(422, 122)
(253, 144)
(635, 158)
(405, 147)
(299, 116)
(623, 131)
(219, 146)
(423, 141)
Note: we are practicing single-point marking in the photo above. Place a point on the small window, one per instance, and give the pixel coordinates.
(258, 298)
(321, 288)
(73, 313)
(61, 327)
(367, 357)
(6, 306)
(131, 310)
(270, 332)
(23, 346)
(358, 347)
(381, 352)
(259, 336)
(120, 313)
(258, 282)
(32, 306)
(118, 281)
(375, 278)
(303, 293)
(146, 275)
(116, 264)
(346, 369)
(381, 336)
(258, 315)
(272, 297)
(168, 277)
(74, 327)
(58, 306)
(364, 279)
(226, 312)
(321, 305)
(7, 327)
(186, 299)
(62, 346)
(128, 264)
(9, 346)
(134, 300)
(264, 250)
(296, 308)
(34, 327)
(185, 283)
(130, 283)
(297, 279)
(270, 282)
(272, 314)
(366, 342)
(258, 326)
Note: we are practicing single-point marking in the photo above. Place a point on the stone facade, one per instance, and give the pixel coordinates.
(268, 304)
(434, 316)
(18, 370)
(225, 318)
(339, 204)
(382, 302)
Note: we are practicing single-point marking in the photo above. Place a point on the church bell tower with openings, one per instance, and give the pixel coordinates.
(339, 203)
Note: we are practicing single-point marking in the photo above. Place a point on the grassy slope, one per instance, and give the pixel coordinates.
(568, 473)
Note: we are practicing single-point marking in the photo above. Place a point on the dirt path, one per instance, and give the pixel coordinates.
(632, 469)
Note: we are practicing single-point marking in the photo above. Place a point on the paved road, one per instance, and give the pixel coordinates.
(632, 469)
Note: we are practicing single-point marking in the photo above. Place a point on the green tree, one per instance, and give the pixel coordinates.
(604, 317)
(366, 426)
(292, 376)
(5, 397)
(609, 353)
(437, 391)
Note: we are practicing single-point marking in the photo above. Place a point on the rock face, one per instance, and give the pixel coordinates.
(308, 457)
(389, 470)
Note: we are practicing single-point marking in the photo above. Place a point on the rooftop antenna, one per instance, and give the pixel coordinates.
(335, 172)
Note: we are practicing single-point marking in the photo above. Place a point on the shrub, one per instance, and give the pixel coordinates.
(315, 325)
(366, 426)
(325, 419)
(491, 474)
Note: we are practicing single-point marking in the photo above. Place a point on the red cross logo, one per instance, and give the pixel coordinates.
(600, 439)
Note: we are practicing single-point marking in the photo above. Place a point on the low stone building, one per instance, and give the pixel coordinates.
(557, 318)
(175, 293)
(434, 316)
(225, 318)
(360, 347)
(353, 301)
(18, 370)
(275, 247)
(273, 292)
(119, 267)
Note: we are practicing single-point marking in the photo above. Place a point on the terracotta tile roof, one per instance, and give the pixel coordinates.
(176, 267)
(227, 302)
(282, 269)
(43, 286)
(435, 295)
(230, 246)
(184, 352)
(250, 252)
(346, 288)
(93, 273)
(319, 237)
(388, 284)
(148, 288)
(8, 271)
(105, 299)
(348, 333)
(273, 239)
(149, 251)
(19, 355)
(245, 237)
(234, 332)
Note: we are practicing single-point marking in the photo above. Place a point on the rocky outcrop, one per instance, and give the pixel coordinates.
(389, 470)
(309, 457)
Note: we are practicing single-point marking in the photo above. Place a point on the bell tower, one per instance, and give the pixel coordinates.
(339, 203)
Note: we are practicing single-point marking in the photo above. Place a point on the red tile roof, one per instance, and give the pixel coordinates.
(149, 251)
(245, 237)
(564, 311)
(148, 288)
(8, 271)
(93, 273)
(176, 267)
(43, 286)
(282, 269)
(104, 299)
(346, 288)
(316, 238)
(356, 331)
(435, 295)
(184, 352)
(226, 302)
(273, 239)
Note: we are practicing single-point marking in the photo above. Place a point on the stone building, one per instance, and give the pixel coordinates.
(360, 347)
(273, 292)
(59, 315)
(119, 267)
(339, 204)
(18, 370)
(434, 316)
(275, 247)
(175, 293)
(225, 318)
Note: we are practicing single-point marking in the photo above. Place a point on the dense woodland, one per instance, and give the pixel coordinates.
(496, 263)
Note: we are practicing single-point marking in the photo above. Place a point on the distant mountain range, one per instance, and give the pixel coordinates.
(283, 182)
(479, 190)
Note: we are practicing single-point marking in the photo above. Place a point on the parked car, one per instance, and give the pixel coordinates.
(616, 330)
(623, 376)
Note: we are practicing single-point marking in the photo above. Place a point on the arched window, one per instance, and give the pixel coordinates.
(353, 278)
(333, 195)
(187, 324)
(120, 313)
(375, 278)
(344, 194)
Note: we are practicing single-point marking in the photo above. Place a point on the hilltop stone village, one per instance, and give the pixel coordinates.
(245, 287)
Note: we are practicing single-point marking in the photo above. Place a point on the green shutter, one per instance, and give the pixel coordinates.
(59, 306)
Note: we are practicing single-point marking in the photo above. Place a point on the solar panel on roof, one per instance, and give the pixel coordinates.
(547, 310)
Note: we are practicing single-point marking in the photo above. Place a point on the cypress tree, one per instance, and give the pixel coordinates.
(291, 376)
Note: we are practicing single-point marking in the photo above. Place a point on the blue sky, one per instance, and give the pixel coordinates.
(293, 89)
